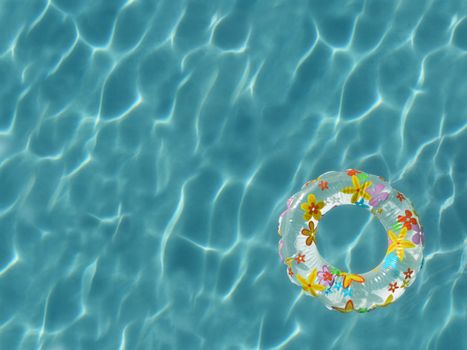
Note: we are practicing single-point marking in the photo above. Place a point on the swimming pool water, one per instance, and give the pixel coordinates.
(148, 147)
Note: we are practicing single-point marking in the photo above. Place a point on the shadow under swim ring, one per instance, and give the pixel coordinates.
(345, 291)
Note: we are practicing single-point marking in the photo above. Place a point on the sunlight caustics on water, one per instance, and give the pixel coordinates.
(147, 148)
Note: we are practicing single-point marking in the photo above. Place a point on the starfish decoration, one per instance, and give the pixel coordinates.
(399, 243)
(309, 284)
(358, 190)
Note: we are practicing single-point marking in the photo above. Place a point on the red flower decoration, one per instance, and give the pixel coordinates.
(290, 271)
(327, 276)
(300, 258)
(408, 273)
(400, 196)
(323, 185)
(393, 287)
(352, 172)
(407, 220)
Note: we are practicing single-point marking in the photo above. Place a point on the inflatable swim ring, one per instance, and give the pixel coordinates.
(337, 289)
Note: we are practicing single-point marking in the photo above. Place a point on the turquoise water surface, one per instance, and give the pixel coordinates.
(147, 148)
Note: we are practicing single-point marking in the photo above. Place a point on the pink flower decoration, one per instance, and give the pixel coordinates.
(377, 194)
(418, 236)
(325, 276)
(281, 245)
(289, 202)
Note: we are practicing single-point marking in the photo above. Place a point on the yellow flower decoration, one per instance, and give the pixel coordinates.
(358, 190)
(312, 208)
(309, 284)
(399, 243)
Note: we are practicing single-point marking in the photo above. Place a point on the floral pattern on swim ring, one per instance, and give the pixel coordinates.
(346, 291)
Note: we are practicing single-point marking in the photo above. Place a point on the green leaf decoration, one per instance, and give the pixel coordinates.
(362, 176)
(335, 271)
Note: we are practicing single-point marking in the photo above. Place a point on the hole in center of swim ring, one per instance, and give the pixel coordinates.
(351, 239)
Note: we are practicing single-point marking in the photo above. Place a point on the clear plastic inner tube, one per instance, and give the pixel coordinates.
(343, 290)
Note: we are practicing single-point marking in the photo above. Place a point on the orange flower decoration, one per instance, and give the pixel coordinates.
(393, 287)
(312, 208)
(408, 273)
(300, 258)
(323, 185)
(407, 220)
(352, 172)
